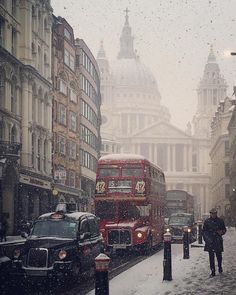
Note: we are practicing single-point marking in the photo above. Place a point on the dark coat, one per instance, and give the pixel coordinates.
(213, 229)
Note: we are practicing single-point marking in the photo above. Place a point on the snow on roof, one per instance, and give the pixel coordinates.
(122, 157)
(75, 215)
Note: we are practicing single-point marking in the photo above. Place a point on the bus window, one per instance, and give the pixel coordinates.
(105, 210)
(112, 172)
(128, 211)
(136, 172)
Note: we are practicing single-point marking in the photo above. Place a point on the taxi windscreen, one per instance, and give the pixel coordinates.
(55, 228)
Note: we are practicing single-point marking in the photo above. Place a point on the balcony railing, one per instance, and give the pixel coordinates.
(9, 149)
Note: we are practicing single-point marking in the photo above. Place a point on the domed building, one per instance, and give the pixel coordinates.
(135, 121)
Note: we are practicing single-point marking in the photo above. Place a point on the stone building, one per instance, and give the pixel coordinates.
(219, 154)
(232, 165)
(135, 121)
(25, 118)
(66, 109)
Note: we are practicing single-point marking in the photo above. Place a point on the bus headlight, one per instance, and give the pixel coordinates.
(139, 235)
(62, 254)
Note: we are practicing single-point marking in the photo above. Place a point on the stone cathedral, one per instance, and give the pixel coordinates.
(135, 121)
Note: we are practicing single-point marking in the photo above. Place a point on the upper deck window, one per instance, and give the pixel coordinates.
(136, 172)
(103, 172)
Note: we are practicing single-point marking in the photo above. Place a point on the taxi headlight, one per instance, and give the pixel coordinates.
(16, 253)
(139, 235)
(62, 254)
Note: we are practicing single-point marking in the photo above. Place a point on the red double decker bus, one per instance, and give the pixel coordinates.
(130, 201)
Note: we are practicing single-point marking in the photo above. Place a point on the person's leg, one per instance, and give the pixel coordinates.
(212, 262)
(219, 260)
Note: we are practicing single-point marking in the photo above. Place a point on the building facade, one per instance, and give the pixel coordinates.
(232, 165)
(219, 154)
(66, 109)
(90, 120)
(135, 121)
(25, 67)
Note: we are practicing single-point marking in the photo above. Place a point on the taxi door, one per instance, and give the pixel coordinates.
(96, 238)
(85, 246)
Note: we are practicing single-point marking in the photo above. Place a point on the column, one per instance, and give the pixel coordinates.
(25, 121)
(155, 154)
(190, 158)
(173, 157)
(168, 158)
(185, 158)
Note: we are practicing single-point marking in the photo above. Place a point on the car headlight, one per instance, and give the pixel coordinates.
(139, 235)
(16, 253)
(189, 230)
(62, 254)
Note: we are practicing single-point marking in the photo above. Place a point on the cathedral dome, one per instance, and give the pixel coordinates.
(132, 73)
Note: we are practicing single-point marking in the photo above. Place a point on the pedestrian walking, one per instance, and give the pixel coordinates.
(213, 230)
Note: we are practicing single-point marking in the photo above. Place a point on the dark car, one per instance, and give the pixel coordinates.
(59, 245)
(176, 224)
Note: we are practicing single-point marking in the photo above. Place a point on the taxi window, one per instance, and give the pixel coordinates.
(93, 225)
(84, 227)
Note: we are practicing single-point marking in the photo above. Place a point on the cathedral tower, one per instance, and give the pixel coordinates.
(211, 90)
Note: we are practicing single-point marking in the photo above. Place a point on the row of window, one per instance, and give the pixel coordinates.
(86, 62)
(66, 147)
(71, 93)
(87, 87)
(87, 160)
(62, 117)
(69, 60)
(88, 113)
(89, 137)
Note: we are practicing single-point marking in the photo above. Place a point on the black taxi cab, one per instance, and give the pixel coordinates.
(59, 245)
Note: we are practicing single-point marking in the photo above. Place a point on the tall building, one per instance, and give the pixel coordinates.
(220, 156)
(25, 78)
(135, 121)
(66, 114)
(90, 120)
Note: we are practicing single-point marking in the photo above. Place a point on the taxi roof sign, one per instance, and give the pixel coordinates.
(57, 216)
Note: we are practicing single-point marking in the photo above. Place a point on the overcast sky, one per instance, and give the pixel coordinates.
(172, 38)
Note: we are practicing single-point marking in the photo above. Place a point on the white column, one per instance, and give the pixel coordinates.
(190, 158)
(173, 153)
(168, 158)
(185, 158)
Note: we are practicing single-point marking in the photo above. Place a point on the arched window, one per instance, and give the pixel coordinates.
(2, 87)
(13, 95)
(33, 150)
(13, 134)
(45, 154)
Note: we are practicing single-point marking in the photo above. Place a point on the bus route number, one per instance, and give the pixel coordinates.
(140, 187)
(100, 187)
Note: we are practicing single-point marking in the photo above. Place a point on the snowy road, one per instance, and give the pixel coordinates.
(190, 276)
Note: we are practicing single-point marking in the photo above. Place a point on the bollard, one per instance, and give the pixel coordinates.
(186, 242)
(199, 223)
(167, 270)
(101, 275)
